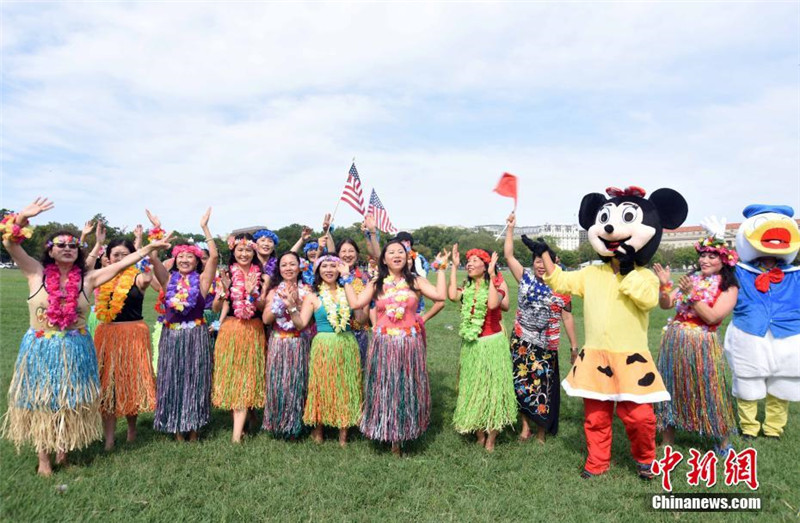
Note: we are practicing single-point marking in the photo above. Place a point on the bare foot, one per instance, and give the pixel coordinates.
(193, 435)
(540, 436)
(490, 439)
(131, 436)
(179, 436)
(61, 459)
(109, 446)
(481, 438)
(44, 469)
(489, 445)
(396, 450)
(343, 438)
(316, 434)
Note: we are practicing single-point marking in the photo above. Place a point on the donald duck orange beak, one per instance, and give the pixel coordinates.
(775, 236)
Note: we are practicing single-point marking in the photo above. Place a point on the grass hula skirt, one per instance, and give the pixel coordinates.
(287, 383)
(54, 395)
(486, 399)
(126, 375)
(692, 365)
(239, 364)
(184, 380)
(397, 397)
(156, 339)
(92, 322)
(362, 337)
(334, 381)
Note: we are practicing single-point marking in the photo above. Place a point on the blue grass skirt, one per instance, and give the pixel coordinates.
(183, 383)
(53, 400)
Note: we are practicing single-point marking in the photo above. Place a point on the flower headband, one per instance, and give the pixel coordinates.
(715, 241)
(232, 243)
(63, 238)
(310, 246)
(328, 258)
(192, 249)
(266, 233)
(480, 253)
(713, 244)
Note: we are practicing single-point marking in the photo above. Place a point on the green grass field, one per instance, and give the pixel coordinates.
(443, 476)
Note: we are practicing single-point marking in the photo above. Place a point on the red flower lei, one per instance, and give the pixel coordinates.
(62, 307)
(244, 305)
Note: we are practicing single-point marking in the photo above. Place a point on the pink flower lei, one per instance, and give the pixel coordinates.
(62, 307)
(244, 305)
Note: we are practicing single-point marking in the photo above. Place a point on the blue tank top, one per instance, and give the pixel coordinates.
(321, 317)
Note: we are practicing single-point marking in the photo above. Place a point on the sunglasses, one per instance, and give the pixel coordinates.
(70, 245)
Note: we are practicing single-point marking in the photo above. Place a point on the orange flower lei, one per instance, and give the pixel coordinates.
(107, 307)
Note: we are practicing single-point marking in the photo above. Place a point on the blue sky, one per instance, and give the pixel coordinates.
(257, 109)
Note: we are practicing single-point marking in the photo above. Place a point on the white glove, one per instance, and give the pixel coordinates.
(715, 226)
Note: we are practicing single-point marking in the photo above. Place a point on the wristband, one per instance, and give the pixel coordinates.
(666, 286)
(439, 266)
(13, 232)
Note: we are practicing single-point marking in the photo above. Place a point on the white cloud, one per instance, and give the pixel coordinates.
(257, 109)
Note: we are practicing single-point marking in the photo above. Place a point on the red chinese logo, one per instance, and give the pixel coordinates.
(666, 466)
(702, 467)
(741, 468)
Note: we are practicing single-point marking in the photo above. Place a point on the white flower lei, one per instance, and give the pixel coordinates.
(338, 312)
(282, 318)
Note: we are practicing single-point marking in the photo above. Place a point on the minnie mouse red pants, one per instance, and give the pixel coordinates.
(640, 424)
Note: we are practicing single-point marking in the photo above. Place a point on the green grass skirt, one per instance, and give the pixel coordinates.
(486, 399)
(334, 381)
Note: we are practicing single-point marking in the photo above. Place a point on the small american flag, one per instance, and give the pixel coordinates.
(352, 194)
(377, 209)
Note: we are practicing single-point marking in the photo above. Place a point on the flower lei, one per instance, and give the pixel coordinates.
(62, 307)
(182, 292)
(704, 288)
(475, 304)
(112, 295)
(271, 266)
(13, 232)
(244, 306)
(339, 311)
(396, 292)
(278, 307)
(160, 306)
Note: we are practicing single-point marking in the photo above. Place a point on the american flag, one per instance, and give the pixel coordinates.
(352, 194)
(377, 209)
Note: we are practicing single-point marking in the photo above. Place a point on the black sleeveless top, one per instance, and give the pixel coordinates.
(132, 309)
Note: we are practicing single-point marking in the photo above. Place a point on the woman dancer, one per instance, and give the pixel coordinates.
(690, 358)
(184, 365)
(396, 390)
(534, 342)
(287, 352)
(486, 401)
(239, 350)
(122, 341)
(54, 394)
(334, 381)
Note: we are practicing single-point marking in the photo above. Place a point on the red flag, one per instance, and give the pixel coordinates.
(507, 186)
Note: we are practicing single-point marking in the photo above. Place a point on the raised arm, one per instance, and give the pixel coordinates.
(29, 266)
(372, 236)
(99, 241)
(666, 293)
(101, 276)
(360, 301)
(452, 290)
(305, 234)
(439, 291)
(210, 268)
(514, 265)
(494, 296)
